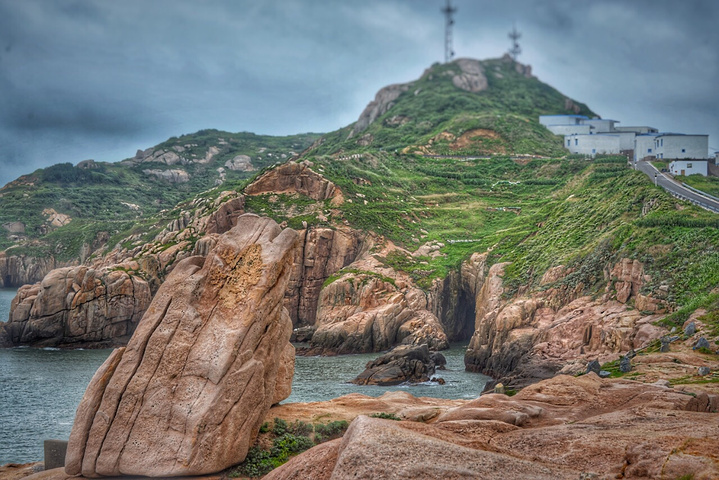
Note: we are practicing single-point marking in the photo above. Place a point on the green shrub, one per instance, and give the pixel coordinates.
(385, 415)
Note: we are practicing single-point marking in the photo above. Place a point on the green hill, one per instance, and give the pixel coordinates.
(466, 107)
(99, 201)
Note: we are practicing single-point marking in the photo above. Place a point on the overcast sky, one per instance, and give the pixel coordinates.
(100, 79)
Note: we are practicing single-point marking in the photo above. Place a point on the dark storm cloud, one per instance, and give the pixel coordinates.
(81, 79)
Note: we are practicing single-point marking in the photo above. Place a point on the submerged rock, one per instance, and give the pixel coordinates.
(188, 394)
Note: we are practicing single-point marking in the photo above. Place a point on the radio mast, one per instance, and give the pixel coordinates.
(514, 35)
(448, 11)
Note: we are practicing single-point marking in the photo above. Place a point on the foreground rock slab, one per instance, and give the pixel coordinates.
(190, 391)
(561, 428)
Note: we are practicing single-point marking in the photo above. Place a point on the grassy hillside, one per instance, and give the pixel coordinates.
(106, 200)
(503, 118)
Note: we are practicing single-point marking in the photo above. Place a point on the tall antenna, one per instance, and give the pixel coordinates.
(514, 35)
(448, 11)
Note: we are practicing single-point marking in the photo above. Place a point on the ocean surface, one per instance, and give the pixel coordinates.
(41, 388)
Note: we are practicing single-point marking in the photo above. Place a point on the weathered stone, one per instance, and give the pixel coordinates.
(703, 371)
(472, 78)
(188, 394)
(690, 329)
(664, 345)
(604, 374)
(499, 388)
(594, 366)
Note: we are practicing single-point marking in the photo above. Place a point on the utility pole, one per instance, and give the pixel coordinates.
(448, 11)
(514, 35)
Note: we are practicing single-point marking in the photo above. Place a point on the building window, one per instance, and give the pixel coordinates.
(569, 142)
(661, 144)
(689, 165)
(594, 150)
(684, 150)
(576, 142)
(649, 150)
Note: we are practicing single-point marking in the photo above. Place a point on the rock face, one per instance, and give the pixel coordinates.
(16, 271)
(188, 394)
(293, 177)
(323, 252)
(404, 363)
(77, 306)
(366, 312)
(532, 337)
(173, 175)
(472, 78)
(563, 428)
(383, 101)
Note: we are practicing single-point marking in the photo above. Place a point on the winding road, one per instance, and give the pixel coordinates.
(675, 188)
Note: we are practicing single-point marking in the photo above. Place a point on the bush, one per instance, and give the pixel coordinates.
(385, 415)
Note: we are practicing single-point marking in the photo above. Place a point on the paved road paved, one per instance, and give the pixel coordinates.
(676, 188)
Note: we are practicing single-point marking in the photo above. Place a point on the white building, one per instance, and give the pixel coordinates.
(594, 144)
(600, 125)
(644, 146)
(678, 145)
(565, 124)
(689, 167)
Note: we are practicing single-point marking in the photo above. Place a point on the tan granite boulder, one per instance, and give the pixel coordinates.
(190, 391)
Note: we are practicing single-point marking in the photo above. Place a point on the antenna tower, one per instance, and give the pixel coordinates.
(514, 35)
(448, 11)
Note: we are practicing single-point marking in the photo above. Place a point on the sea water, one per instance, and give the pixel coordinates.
(41, 388)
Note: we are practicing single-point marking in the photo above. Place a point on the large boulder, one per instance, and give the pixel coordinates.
(77, 307)
(404, 363)
(188, 394)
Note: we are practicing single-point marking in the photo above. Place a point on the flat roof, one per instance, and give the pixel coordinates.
(670, 134)
(565, 115)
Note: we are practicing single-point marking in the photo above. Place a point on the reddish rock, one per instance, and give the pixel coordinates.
(190, 391)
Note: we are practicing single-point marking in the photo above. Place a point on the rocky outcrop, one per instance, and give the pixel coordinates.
(173, 175)
(472, 78)
(293, 177)
(203, 217)
(383, 101)
(242, 163)
(77, 307)
(188, 394)
(323, 252)
(563, 428)
(404, 363)
(531, 337)
(365, 311)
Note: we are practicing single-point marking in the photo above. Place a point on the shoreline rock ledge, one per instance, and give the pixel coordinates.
(188, 394)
